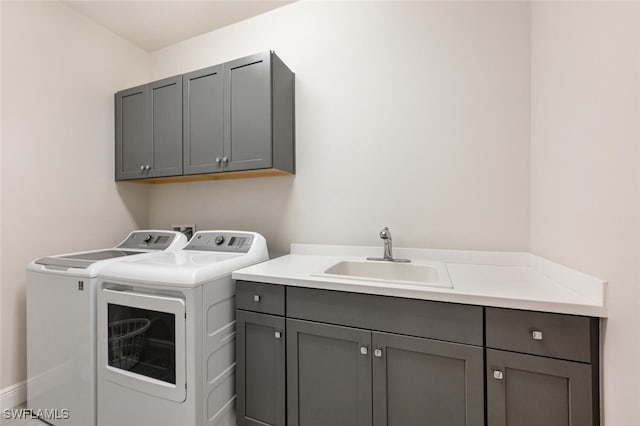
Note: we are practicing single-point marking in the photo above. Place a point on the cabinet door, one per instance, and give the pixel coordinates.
(247, 115)
(426, 382)
(260, 376)
(133, 138)
(528, 390)
(203, 122)
(328, 375)
(165, 97)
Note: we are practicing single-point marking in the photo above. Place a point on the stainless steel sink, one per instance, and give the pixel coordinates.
(391, 272)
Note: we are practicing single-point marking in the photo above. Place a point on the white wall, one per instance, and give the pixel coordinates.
(59, 73)
(410, 115)
(585, 168)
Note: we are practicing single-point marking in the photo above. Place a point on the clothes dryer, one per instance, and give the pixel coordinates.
(166, 333)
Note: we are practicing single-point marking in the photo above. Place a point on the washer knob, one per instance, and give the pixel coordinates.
(147, 238)
(219, 240)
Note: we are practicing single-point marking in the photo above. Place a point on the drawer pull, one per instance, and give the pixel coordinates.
(256, 298)
(498, 375)
(536, 335)
(364, 350)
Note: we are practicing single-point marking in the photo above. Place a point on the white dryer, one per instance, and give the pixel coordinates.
(166, 333)
(61, 325)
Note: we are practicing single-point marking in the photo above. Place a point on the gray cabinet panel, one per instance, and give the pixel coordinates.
(247, 116)
(260, 378)
(423, 318)
(527, 390)
(133, 139)
(426, 382)
(203, 120)
(259, 297)
(166, 125)
(561, 336)
(328, 375)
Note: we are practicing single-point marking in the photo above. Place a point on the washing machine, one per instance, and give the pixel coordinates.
(166, 333)
(61, 326)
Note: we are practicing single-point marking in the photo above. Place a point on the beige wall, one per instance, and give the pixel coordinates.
(585, 168)
(59, 73)
(410, 115)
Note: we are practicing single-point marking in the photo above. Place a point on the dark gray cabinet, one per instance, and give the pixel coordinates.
(328, 375)
(203, 120)
(260, 369)
(542, 369)
(419, 381)
(235, 117)
(149, 130)
(381, 379)
(526, 390)
(360, 359)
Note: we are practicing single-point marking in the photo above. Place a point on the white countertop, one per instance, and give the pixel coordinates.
(500, 279)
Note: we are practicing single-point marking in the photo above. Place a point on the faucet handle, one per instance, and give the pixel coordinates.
(385, 234)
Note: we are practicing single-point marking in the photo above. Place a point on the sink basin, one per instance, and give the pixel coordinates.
(390, 272)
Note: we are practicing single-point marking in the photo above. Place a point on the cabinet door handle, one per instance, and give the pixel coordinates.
(498, 375)
(536, 335)
(218, 160)
(141, 168)
(225, 160)
(146, 167)
(278, 334)
(377, 352)
(364, 350)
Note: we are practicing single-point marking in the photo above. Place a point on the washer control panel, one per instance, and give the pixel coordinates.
(148, 240)
(229, 242)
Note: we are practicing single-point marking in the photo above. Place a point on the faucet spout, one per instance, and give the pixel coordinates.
(385, 235)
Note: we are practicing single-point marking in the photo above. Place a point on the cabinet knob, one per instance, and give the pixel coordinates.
(225, 160)
(536, 335)
(377, 353)
(256, 298)
(278, 334)
(141, 168)
(218, 160)
(146, 167)
(364, 350)
(498, 375)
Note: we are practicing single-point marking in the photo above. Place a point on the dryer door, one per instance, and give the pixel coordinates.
(142, 342)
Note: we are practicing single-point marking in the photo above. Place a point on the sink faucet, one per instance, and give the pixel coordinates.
(385, 234)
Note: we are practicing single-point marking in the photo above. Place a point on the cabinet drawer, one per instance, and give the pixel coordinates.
(540, 333)
(422, 318)
(259, 297)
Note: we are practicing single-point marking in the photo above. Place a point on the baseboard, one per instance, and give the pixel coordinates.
(13, 395)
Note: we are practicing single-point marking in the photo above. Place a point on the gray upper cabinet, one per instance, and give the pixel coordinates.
(133, 142)
(149, 130)
(247, 136)
(203, 121)
(234, 117)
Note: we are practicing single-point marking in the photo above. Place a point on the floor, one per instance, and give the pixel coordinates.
(21, 422)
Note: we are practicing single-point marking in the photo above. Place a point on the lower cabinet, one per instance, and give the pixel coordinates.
(420, 381)
(353, 377)
(527, 390)
(260, 369)
(328, 375)
(311, 357)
